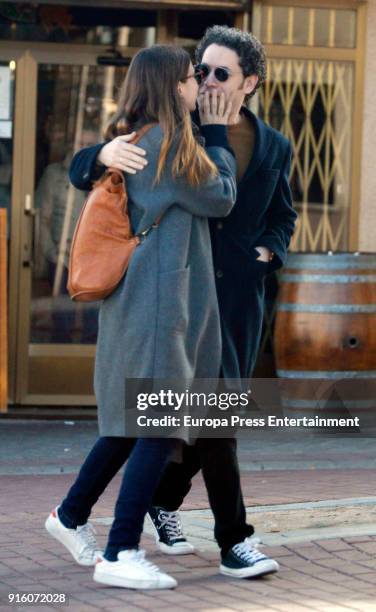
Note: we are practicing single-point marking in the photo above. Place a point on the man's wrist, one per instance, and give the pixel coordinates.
(265, 253)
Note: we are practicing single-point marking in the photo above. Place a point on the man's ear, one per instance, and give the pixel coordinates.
(250, 83)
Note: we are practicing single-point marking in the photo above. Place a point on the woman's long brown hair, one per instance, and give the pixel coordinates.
(149, 94)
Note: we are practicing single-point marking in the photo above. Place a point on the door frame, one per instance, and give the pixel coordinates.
(28, 56)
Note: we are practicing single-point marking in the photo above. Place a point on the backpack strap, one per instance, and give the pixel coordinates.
(142, 131)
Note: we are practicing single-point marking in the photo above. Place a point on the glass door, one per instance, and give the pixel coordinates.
(70, 101)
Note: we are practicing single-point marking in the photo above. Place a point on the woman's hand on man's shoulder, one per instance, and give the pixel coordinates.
(120, 153)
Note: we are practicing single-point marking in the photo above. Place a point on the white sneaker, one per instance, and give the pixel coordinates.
(80, 542)
(132, 571)
(244, 560)
(168, 527)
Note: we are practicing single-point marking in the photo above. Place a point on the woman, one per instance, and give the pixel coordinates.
(162, 321)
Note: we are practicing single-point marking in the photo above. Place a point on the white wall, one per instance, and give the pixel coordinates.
(367, 220)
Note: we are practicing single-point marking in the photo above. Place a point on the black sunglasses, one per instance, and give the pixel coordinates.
(202, 72)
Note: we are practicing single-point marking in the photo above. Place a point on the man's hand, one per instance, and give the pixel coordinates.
(214, 108)
(121, 154)
(266, 254)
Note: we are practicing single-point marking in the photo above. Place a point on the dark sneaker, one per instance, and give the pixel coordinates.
(169, 532)
(244, 560)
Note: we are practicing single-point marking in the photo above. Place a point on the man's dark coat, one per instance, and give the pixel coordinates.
(262, 216)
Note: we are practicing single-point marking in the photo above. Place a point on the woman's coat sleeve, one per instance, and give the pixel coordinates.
(215, 197)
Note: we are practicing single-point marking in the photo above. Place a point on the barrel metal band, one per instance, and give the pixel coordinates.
(326, 374)
(330, 278)
(328, 308)
(335, 261)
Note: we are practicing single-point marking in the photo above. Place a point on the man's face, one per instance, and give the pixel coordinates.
(236, 86)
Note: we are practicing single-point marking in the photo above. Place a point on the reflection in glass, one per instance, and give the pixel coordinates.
(303, 26)
(345, 33)
(7, 82)
(280, 25)
(75, 24)
(321, 36)
(74, 104)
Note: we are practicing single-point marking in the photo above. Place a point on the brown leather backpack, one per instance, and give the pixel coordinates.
(103, 242)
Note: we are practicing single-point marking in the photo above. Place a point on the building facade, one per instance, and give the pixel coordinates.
(61, 66)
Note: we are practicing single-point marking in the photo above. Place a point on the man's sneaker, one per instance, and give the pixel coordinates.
(132, 571)
(244, 560)
(80, 542)
(169, 532)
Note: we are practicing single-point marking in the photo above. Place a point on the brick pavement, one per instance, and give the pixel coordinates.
(291, 486)
(260, 488)
(324, 575)
(327, 575)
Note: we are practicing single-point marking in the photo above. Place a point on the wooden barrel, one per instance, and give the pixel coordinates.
(326, 330)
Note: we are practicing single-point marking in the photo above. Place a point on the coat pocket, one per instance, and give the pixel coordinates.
(259, 268)
(246, 265)
(173, 307)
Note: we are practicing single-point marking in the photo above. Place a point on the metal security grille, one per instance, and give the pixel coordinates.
(311, 102)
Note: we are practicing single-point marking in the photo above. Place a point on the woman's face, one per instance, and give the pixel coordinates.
(188, 89)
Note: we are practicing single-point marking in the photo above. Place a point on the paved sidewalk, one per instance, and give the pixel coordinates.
(53, 447)
(319, 570)
(326, 575)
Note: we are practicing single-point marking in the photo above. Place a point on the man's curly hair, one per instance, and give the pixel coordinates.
(252, 59)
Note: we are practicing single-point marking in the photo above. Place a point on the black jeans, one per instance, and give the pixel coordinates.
(147, 461)
(218, 460)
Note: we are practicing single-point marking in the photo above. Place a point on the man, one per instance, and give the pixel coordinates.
(251, 242)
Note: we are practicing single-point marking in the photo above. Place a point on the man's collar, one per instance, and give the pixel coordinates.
(263, 140)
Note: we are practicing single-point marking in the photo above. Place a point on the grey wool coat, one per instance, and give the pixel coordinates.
(162, 321)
